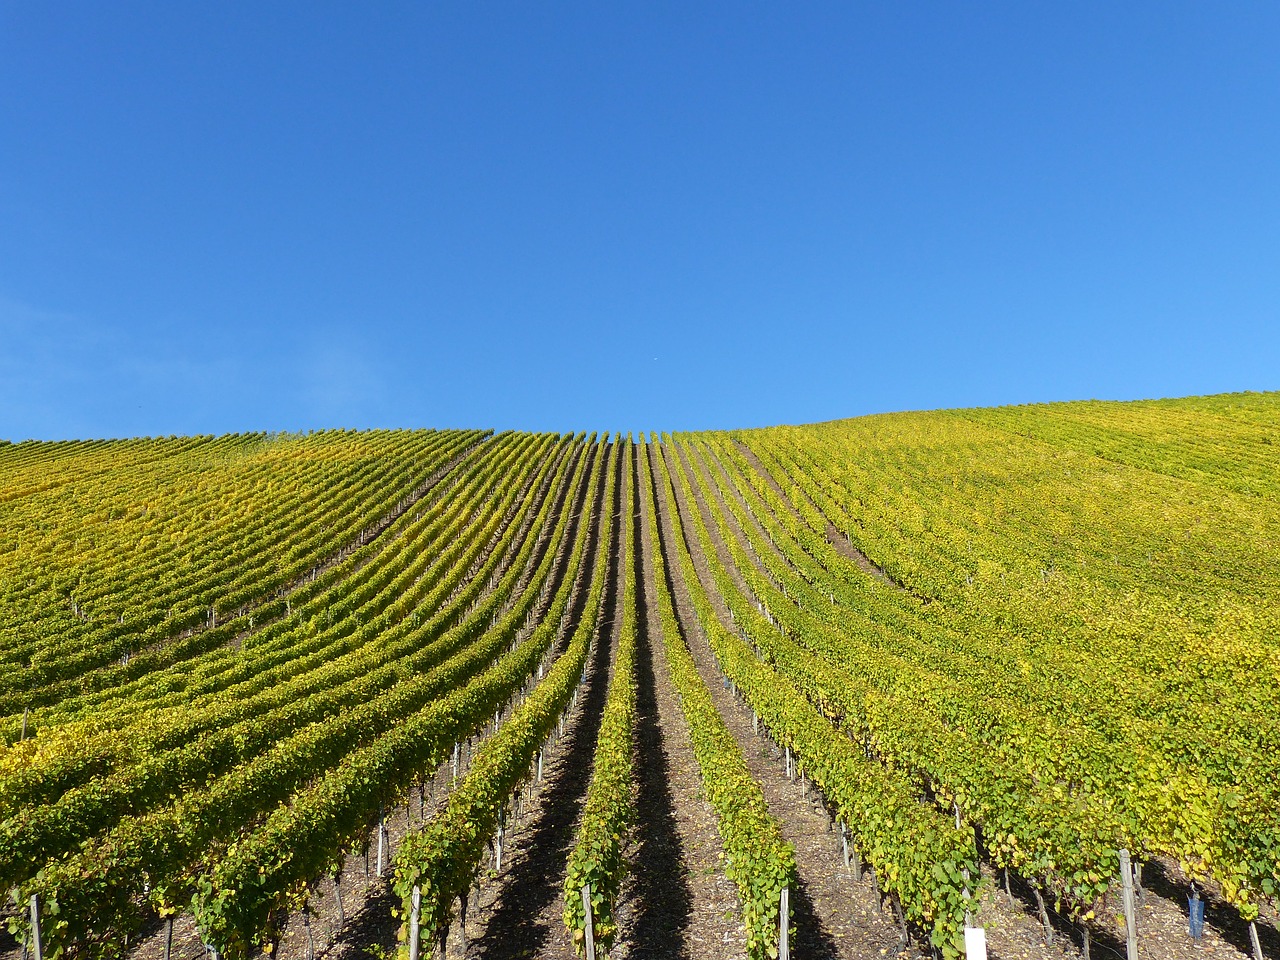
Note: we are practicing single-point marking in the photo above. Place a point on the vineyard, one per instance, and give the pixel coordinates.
(999, 682)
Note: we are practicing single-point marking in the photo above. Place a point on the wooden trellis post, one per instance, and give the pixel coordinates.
(415, 919)
(36, 948)
(587, 921)
(1130, 919)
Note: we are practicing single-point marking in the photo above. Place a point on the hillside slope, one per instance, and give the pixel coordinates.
(999, 646)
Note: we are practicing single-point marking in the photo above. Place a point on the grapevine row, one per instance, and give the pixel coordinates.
(760, 862)
(440, 862)
(596, 861)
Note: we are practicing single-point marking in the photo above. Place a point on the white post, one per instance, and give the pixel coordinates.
(975, 943)
(1130, 920)
(586, 914)
(1253, 937)
(382, 842)
(784, 926)
(965, 872)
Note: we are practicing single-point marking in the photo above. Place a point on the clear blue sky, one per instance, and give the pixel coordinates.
(237, 216)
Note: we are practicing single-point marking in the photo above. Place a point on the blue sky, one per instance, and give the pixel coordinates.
(234, 216)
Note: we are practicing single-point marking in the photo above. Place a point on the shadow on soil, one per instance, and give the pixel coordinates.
(662, 896)
(532, 884)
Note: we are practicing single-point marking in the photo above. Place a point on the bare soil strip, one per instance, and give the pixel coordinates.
(1017, 930)
(1013, 925)
(686, 461)
(678, 902)
(835, 536)
(156, 650)
(366, 898)
(370, 533)
(835, 917)
(521, 915)
(370, 928)
(712, 467)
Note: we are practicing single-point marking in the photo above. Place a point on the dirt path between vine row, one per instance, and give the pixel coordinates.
(158, 654)
(520, 911)
(1013, 924)
(677, 901)
(836, 918)
(363, 923)
(372, 930)
(1013, 931)
(835, 536)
